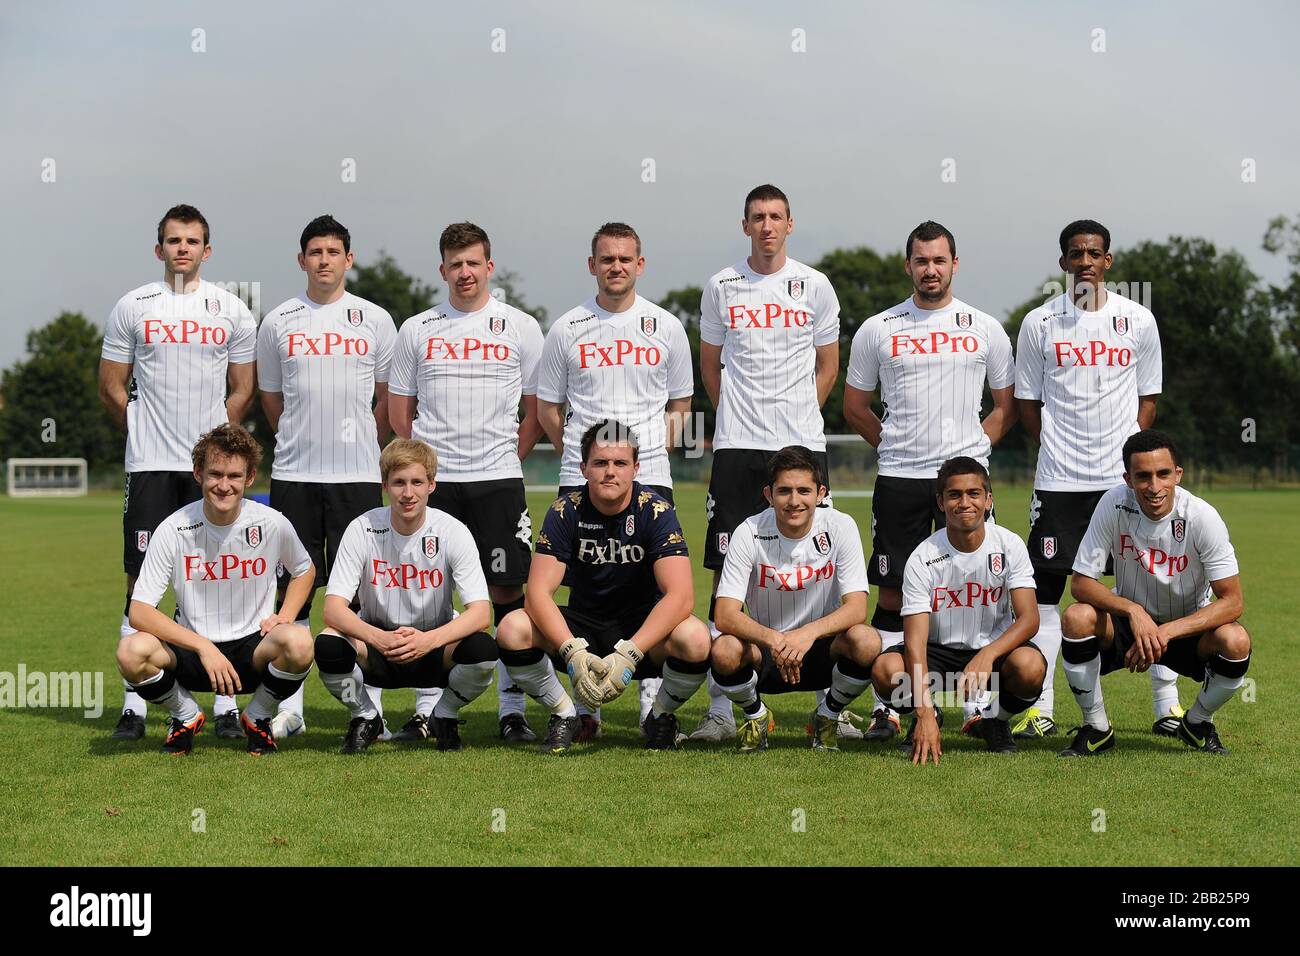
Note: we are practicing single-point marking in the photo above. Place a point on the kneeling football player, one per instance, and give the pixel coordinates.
(404, 560)
(219, 554)
(799, 571)
(969, 612)
(620, 549)
(1171, 551)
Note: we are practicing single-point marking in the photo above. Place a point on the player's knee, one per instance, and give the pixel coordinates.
(690, 641)
(1027, 669)
(884, 669)
(727, 655)
(514, 633)
(1079, 621)
(132, 653)
(1234, 641)
(862, 644)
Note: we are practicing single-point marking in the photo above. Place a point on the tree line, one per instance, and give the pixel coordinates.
(1231, 346)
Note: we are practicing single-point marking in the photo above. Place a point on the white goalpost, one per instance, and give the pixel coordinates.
(46, 477)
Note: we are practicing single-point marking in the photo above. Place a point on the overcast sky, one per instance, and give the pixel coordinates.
(541, 143)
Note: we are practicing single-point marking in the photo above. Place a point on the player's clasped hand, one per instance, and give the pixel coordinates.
(619, 668)
(1148, 641)
(585, 671)
(790, 654)
(272, 622)
(221, 673)
(977, 675)
(410, 645)
(926, 742)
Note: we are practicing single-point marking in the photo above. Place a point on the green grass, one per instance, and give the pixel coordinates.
(69, 795)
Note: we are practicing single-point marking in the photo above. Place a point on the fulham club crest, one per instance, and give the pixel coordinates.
(997, 560)
(1049, 547)
(649, 323)
(630, 527)
(1180, 528)
(253, 535)
(430, 543)
(214, 306)
(795, 288)
(822, 542)
(497, 324)
(882, 563)
(354, 317)
(964, 320)
(142, 541)
(1121, 324)
(723, 540)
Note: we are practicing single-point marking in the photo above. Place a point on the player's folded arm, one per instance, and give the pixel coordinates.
(476, 617)
(1227, 607)
(545, 575)
(401, 413)
(1087, 589)
(673, 576)
(1024, 603)
(299, 590)
(852, 610)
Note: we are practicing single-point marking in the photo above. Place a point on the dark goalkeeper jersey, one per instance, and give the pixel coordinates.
(611, 558)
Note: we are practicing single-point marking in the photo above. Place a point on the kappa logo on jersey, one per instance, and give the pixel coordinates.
(630, 527)
(214, 306)
(763, 318)
(1049, 547)
(497, 324)
(997, 561)
(618, 352)
(331, 343)
(185, 332)
(973, 594)
(1120, 323)
(724, 539)
(936, 343)
(649, 323)
(468, 349)
(882, 563)
(1091, 354)
(822, 542)
(223, 568)
(253, 535)
(796, 578)
(1180, 528)
(964, 320)
(794, 288)
(430, 546)
(142, 541)
(1153, 560)
(354, 317)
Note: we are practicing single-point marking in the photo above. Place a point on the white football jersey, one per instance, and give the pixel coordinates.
(967, 595)
(468, 371)
(1167, 565)
(930, 366)
(769, 327)
(406, 580)
(325, 360)
(786, 583)
(1088, 369)
(224, 578)
(179, 347)
(620, 365)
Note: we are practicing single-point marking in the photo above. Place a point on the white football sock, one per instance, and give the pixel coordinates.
(427, 699)
(350, 690)
(1086, 677)
(720, 703)
(1164, 689)
(540, 682)
(1215, 692)
(844, 690)
(263, 704)
(675, 688)
(1048, 640)
(976, 703)
(222, 704)
(647, 694)
(464, 683)
(510, 699)
(746, 695)
(376, 695)
(178, 702)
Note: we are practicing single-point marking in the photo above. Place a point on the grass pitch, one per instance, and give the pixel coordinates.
(69, 795)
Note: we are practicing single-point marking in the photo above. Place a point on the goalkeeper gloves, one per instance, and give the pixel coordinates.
(619, 668)
(585, 671)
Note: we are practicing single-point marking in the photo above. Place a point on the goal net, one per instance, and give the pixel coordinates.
(46, 477)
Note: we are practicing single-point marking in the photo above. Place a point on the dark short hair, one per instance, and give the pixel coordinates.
(962, 465)
(609, 431)
(231, 440)
(765, 192)
(794, 458)
(1149, 439)
(462, 235)
(929, 231)
(1085, 227)
(322, 226)
(615, 230)
(182, 213)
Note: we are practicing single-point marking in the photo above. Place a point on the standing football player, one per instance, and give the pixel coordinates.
(799, 572)
(618, 546)
(1088, 374)
(1170, 551)
(403, 561)
(322, 364)
(171, 350)
(769, 355)
(968, 617)
(616, 356)
(463, 368)
(219, 555)
(929, 357)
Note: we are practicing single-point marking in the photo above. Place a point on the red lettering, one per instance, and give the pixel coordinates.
(1091, 354)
